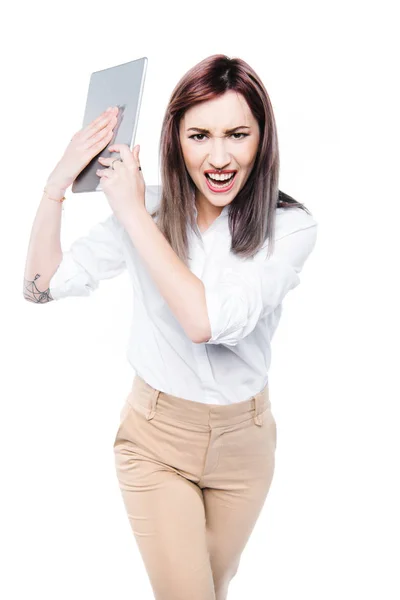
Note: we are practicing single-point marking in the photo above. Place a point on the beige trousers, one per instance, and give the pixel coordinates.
(193, 479)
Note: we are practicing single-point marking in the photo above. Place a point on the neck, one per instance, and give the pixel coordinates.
(206, 211)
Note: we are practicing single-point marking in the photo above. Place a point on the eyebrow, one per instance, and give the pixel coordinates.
(226, 131)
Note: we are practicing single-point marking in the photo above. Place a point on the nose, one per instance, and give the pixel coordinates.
(219, 157)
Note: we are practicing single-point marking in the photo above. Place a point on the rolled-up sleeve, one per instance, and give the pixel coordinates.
(248, 291)
(90, 258)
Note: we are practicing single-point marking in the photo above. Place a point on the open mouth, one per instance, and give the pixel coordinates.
(220, 184)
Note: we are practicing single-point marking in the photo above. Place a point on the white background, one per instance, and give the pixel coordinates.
(330, 527)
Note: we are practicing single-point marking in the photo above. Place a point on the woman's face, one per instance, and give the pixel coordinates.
(218, 148)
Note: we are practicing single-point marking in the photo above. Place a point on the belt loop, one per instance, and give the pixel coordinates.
(153, 405)
(258, 418)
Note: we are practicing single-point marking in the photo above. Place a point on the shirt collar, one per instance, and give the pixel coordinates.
(223, 212)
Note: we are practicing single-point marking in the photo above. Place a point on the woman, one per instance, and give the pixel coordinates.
(210, 267)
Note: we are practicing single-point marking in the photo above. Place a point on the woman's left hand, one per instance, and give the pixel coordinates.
(123, 185)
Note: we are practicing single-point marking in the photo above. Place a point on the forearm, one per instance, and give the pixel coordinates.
(44, 251)
(181, 289)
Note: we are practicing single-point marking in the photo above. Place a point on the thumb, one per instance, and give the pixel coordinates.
(135, 152)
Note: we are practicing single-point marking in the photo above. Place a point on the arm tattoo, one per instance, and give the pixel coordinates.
(33, 294)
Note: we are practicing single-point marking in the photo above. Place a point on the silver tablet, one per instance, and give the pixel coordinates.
(120, 86)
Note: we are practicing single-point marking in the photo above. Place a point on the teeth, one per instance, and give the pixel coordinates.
(219, 177)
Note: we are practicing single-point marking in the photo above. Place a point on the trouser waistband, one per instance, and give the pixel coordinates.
(149, 400)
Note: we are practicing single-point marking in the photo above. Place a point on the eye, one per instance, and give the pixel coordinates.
(243, 134)
(196, 135)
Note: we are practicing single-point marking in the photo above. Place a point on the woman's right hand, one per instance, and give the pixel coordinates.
(84, 146)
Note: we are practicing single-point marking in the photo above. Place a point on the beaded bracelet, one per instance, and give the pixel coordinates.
(54, 200)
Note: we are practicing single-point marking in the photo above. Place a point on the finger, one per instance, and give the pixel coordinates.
(106, 161)
(135, 155)
(124, 152)
(108, 121)
(103, 173)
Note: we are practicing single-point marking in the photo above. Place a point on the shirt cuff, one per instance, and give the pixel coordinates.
(71, 279)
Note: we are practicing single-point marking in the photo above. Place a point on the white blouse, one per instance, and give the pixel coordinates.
(243, 296)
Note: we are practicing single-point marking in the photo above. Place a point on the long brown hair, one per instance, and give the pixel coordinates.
(252, 212)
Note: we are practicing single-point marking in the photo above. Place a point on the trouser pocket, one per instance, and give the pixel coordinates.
(269, 423)
(124, 414)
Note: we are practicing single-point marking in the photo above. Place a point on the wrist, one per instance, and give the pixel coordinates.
(55, 193)
(57, 184)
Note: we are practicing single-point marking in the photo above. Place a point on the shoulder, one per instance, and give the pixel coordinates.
(290, 220)
(294, 228)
